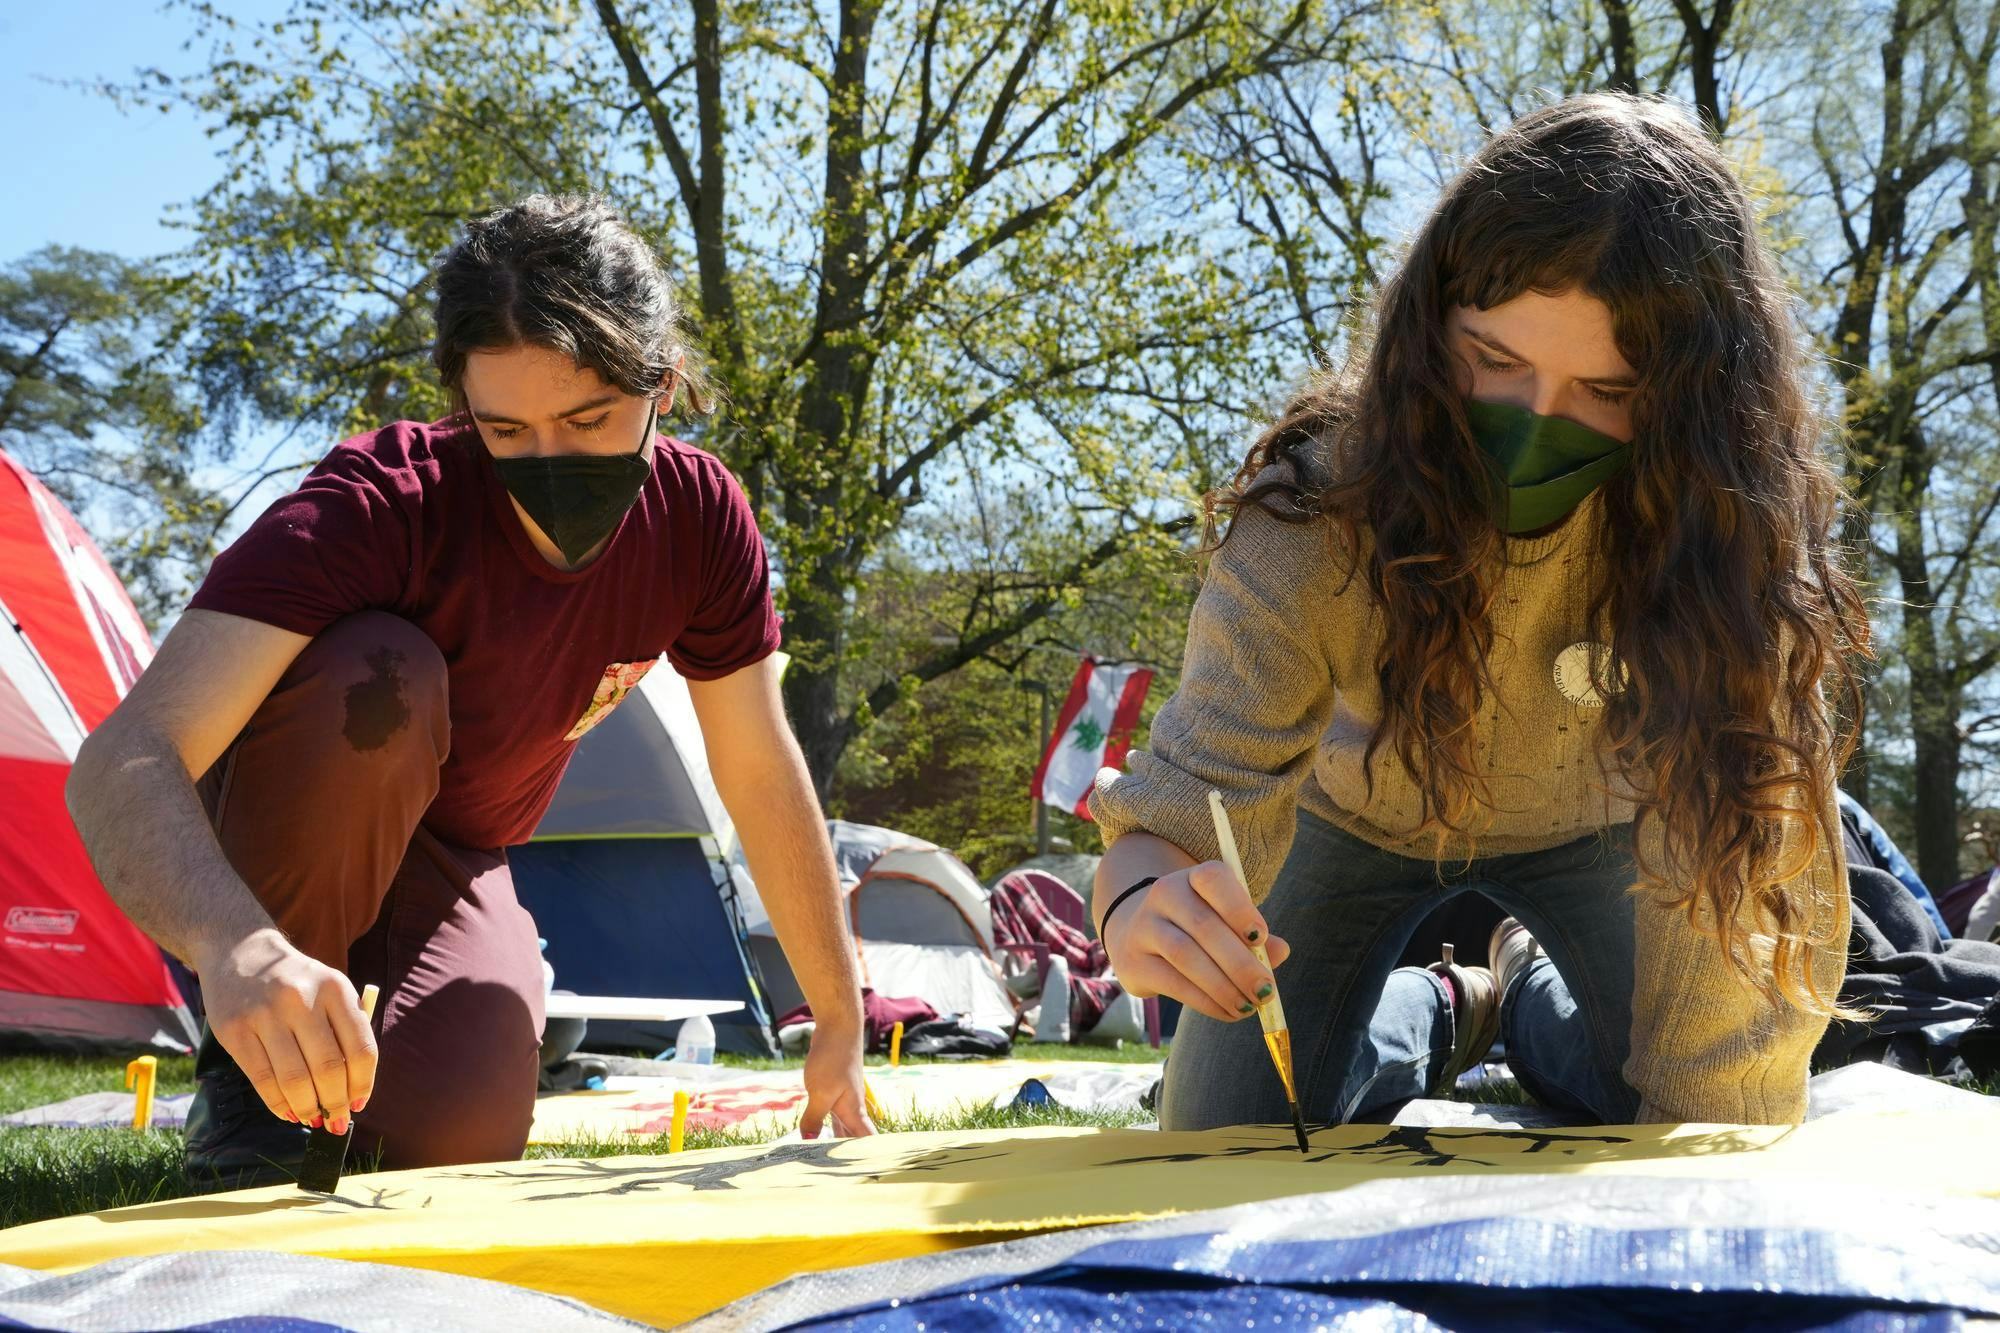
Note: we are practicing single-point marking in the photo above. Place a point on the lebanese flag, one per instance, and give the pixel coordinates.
(1094, 731)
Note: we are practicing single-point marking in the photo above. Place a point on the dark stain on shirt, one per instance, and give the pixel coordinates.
(376, 708)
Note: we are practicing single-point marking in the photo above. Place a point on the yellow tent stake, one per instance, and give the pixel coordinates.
(896, 1044)
(142, 1072)
(679, 1129)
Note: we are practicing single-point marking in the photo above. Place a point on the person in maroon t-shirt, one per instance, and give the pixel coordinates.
(375, 692)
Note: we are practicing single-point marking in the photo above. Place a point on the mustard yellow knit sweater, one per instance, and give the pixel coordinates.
(1277, 699)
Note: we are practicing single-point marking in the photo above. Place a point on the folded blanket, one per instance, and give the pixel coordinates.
(1926, 992)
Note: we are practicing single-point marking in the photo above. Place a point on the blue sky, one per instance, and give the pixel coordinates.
(82, 172)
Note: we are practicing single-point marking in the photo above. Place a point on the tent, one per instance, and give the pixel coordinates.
(74, 970)
(631, 876)
(1076, 869)
(921, 924)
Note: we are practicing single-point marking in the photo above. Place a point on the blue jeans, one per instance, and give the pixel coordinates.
(1368, 1036)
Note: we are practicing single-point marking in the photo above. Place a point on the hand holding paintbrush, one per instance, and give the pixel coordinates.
(326, 1151)
(1190, 931)
(1271, 1013)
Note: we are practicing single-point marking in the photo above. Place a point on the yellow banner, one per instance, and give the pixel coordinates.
(665, 1238)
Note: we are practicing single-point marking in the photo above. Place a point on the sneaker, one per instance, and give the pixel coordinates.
(1510, 950)
(1475, 1015)
(233, 1140)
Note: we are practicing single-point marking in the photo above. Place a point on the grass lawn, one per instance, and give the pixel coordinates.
(56, 1172)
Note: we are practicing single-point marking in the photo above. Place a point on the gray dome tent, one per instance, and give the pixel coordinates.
(633, 874)
(923, 927)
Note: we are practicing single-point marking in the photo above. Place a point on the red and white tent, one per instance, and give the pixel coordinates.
(73, 968)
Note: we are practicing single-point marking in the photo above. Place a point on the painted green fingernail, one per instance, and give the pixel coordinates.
(1247, 1008)
(1254, 935)
(1264, 991)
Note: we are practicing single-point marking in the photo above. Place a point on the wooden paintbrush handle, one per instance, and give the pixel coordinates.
(1271, 1013)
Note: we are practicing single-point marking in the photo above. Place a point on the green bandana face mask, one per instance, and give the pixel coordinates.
(1543, 467)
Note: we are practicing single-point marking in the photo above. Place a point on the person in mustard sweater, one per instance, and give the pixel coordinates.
(1536, 597)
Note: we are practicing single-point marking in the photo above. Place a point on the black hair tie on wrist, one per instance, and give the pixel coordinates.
(1150, 879)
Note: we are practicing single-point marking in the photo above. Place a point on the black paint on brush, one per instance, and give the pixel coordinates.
(326, 1157)
(326, 1151)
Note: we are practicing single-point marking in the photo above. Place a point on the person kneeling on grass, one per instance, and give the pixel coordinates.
(1535, 599)
(375, 692)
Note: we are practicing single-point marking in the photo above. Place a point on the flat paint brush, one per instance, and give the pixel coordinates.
(1271, 1013)
(326, 1151)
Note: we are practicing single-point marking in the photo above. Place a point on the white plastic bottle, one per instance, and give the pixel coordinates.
(696, 1042)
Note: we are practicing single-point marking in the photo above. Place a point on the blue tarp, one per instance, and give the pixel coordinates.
(1499, 1253)
(1497, 1275)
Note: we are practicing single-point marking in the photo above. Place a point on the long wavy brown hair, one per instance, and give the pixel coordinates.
(1726, 597)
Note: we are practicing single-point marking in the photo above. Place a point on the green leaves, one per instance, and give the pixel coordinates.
(943, 251)
(81, 365)
(935, 245)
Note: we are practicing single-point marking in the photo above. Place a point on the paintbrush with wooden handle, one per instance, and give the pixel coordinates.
(1271, 1013)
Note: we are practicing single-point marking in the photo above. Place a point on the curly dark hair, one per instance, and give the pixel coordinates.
(1718, 572)
(567, 273)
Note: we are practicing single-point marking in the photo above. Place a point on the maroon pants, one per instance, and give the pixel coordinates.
(318, 806)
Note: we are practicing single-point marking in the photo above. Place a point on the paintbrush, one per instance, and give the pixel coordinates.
(326, 1151)
(1271, 1013)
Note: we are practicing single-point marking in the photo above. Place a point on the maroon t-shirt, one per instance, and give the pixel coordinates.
(412, 519)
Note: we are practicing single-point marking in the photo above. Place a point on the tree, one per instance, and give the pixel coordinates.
(1732, 61)
(1892, 164)
(1877, 189)
(954, 760)
(922, 235)
(89, 404)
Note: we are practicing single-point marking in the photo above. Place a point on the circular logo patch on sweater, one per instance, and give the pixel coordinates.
(1579, 668)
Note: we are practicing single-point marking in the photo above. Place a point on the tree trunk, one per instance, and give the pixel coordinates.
(1704, 40)
(838, 373)
(1869, 449)
(815, 621)
(1707, 86)
(1622, 47)
(718, 299)
(1934, 728)
(1934, 691)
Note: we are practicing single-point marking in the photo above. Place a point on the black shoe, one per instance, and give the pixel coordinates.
(233, 1140)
